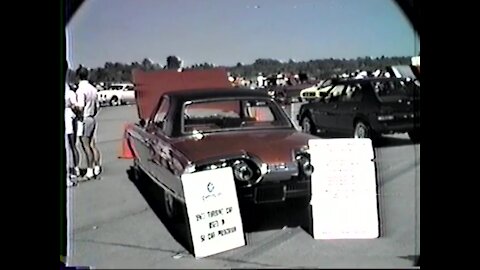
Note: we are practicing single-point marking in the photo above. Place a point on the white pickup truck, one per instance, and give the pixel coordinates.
(117, 94)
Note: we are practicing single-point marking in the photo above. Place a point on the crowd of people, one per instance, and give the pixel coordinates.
(263, 81)
(288, 79)
(81, 109)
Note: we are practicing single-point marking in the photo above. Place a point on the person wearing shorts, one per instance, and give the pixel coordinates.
(87, 102)
(70, 133)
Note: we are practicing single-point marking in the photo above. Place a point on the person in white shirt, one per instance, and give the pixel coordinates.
(70, 133)
(88, 104)
(260, 80)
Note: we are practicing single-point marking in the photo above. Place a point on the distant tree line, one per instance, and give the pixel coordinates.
(323, 68)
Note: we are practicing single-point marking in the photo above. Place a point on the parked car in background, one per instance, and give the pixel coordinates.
(117, 94)
(317, 91)
(198, 130)
(287, 94)
(365, 108)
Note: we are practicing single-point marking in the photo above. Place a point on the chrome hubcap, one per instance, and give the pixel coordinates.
(360, 131)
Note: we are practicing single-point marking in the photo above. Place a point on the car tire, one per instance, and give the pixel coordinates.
(414, 136)
(307, 125)
(363, 130)
(114, 101)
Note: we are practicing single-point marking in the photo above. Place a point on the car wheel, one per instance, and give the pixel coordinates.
(114, 101)
(414, 136)
(308, 126)
(363, 130)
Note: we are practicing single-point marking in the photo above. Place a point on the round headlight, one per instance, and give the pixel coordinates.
(305, 165)
(242, 171)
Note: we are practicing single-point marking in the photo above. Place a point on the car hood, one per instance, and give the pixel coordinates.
(270, 146)
(310, 89)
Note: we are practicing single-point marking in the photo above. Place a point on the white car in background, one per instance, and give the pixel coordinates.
(117, 94)
(317, 91)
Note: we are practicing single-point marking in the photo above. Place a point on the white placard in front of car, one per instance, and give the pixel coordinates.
(342, 148)
(213, 211)
(344, 189)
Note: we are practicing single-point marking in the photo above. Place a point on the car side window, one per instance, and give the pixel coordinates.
(352, 93)
(161, 114)
(260, 111)
(324, 84)
(335, 93)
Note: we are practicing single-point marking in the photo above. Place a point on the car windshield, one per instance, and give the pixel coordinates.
(116, 87)
(227, 115)
(394, 90)
(325, 84)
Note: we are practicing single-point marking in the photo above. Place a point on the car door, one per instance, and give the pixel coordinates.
(142, 138)
(139, 140)
(154, 127)
(330, 112)
(318, 109)
(160, 161)
(349, 106)
(129, 94)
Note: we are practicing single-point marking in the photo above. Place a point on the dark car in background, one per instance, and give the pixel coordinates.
(365, 108)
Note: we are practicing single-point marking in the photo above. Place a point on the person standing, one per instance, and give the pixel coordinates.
(88, 104)
(70, 121)
(260, 80)
(70, 133)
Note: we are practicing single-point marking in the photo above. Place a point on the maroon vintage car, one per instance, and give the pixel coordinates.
(201, 129)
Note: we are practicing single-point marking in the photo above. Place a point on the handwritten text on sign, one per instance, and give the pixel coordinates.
(344, 190)
(213, 211)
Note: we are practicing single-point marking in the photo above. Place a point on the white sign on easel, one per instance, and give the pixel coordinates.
(344, 189)
(213, 211)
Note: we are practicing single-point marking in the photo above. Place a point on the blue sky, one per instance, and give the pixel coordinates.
(225, 32)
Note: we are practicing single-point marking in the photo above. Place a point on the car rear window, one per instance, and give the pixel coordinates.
(390, 90)
(231, 115)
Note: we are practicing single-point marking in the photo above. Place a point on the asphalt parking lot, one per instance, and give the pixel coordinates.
(118, 223)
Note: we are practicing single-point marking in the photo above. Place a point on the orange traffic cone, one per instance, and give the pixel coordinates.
(125, 152)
